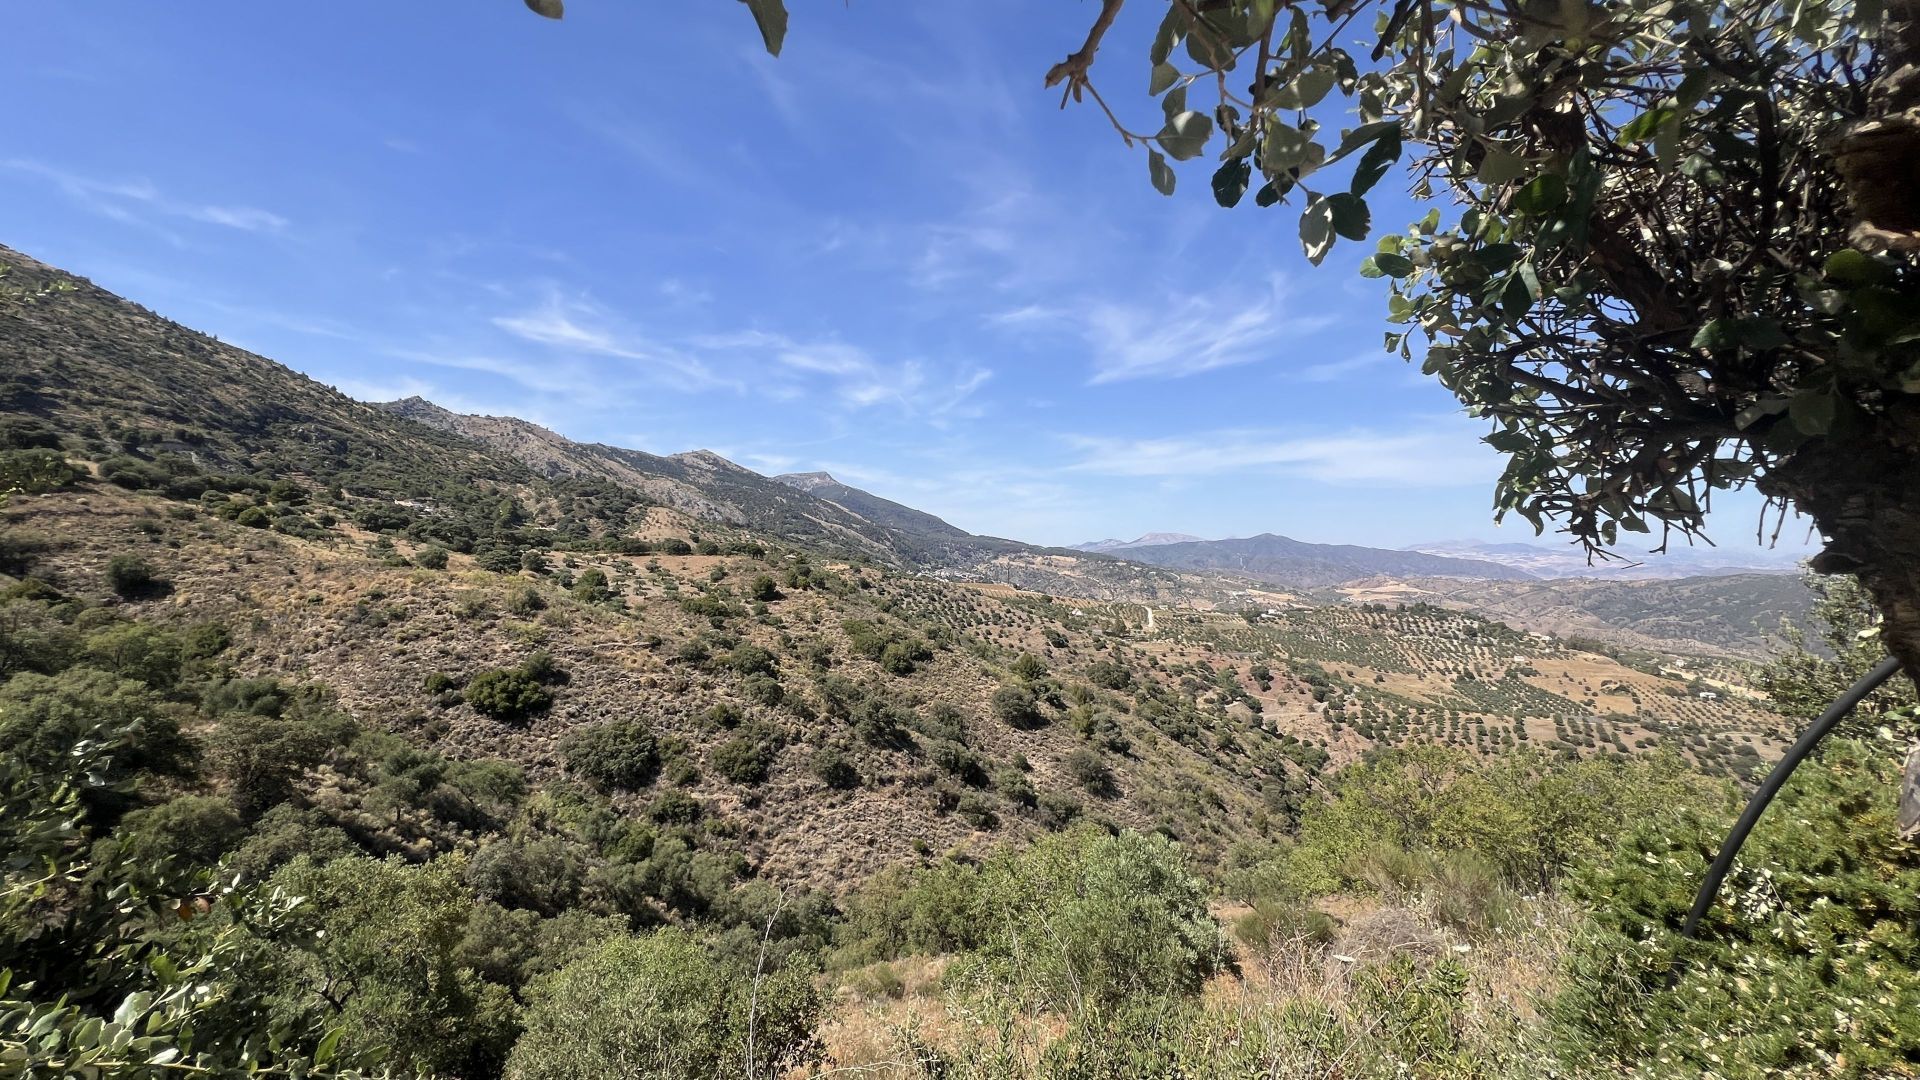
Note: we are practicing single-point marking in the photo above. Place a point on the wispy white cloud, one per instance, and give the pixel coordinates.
(1174, 335)
(1335, 370)
(852, 376)
(578, 326)
(135, 201)
(1422, 454)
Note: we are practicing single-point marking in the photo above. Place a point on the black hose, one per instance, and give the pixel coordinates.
(1789, 761)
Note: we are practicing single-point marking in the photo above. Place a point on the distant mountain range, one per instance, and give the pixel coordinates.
(1152, 539)
(1281, 560)
(1569, 561)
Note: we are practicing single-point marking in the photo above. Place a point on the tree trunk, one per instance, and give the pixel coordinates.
(1863, 492)
(1879, 157)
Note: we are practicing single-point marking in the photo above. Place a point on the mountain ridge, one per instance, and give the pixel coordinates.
(1282, 560)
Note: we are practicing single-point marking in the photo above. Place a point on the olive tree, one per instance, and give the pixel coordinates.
(1668, 263)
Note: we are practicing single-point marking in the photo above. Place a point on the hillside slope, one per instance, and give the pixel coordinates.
(1282, 560)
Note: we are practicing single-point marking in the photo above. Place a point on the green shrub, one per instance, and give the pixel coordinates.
(1807, 965)
(130, 575)
(544, 874)
(132, 473)
(431, 557)
(33, 472)
(1090, 771)
(591, 587)
(192, 830)
(1017, 708)
(508, 695)
(525, 600)
(262, 757)
(138, 651)
(763, 589)
(675, 808)
(751, 659)
(763, 690)
(835, 769)
(1109, 676)
(43, 717)
(744, 760)
(664, 1006)
(387, 943)
(615, 755)
(1028, 667)
(1089, 919)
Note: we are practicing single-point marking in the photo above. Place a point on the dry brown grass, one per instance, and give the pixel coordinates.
(1508, 975)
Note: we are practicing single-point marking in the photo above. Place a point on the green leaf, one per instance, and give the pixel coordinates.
(1812, 411)
(1496, 257)
(1172, 28)
(551, 9)
(1370, 267)
(1364, 135)
(1208, 47)
(1393, 265)
(1272, 191)
(1852, 267)
(1648, 124)
(1163, 76)
(1230, 181)
(1757, 411)
(1160, 173)
(1285, 148)
(1750, 332)
(1515, 298)
(1185, 135)
(1500, 167)
(1174, 103)
(1305, 91)
(1541, 194)
(1351, 218)
(771, 17)
(1316, 230)
(323, 1054)
(1376, 161)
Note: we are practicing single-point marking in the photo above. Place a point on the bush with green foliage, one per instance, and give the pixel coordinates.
(33, 472)
(377, 952)
(130, 575)
(1090, 771)
(664, 1006)
(1092, 919)
(745, 760)
(431, 557)
(509, 695)
(132, 473)
(262, 754)
(1808, 964)
(617, 755)
(835, 769)
(1016, 707)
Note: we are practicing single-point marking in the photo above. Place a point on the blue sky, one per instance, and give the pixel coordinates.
(887, 254)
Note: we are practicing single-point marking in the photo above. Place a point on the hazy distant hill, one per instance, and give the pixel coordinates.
(1570, 561)
(1146, 540)
(1734, 615)
(1281, 560)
